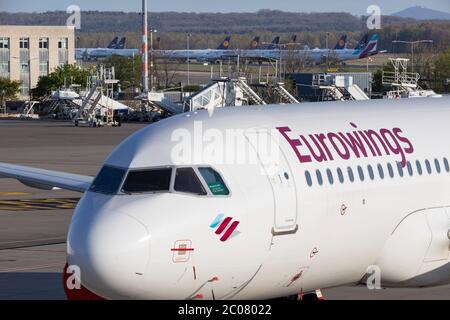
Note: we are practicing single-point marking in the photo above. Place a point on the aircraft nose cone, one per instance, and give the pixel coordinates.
(112, 250)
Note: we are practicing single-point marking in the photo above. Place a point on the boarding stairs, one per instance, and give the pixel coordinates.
(356, 93)
(334, 92)
(249, 92)
(284, 94)
(168, 106)
(87, 102)
(28, 109)
(97, 96)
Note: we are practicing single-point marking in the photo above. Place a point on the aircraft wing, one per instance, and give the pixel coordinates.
(46, 179)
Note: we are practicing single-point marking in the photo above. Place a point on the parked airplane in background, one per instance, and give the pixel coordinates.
(318, 56)
(342, 43)
(255, 43)
(115, 48)
(270, 46)
(257, 52)
(363, 42)
(200, 55)
(122, 43)
(347, 189)
(113, 43)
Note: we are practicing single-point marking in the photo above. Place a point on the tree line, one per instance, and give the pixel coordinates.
(263, 20)
(208, 29)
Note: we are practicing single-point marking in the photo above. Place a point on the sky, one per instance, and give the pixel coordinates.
(358, 7)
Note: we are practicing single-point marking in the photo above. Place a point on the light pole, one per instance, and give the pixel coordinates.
(144, 50)
(152, 82)
(188, 62)
(134, 75)
(328, 52)
(412, 43)
(281, 63)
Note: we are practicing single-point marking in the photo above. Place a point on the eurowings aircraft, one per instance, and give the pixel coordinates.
(199, 207)
(201, 55)
(318, 56)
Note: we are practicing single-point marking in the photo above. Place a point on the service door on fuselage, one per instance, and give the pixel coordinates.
(275, 166)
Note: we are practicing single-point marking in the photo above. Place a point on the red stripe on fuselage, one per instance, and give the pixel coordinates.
(229, 231)
(223, 225)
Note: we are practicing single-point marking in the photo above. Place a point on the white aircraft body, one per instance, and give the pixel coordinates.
(200, 55)
(317, 56)
(356, 186)
(101, 53)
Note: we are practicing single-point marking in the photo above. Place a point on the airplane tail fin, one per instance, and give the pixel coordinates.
(121, 44)
(371, 47)
(113, 43)
(294, 39)
(255, 43)
(342, 43)
(225, 45)
(363, 42)
(274, 44)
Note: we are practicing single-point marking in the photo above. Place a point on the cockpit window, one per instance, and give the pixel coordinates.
(187, 181)
(108, 180)
(214, 182)
(150, 180)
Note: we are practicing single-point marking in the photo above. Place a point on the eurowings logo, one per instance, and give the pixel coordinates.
(225, 227)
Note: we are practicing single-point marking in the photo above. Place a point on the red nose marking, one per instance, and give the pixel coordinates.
(77, 294)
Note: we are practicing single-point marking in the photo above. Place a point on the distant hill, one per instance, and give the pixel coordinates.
(208, 29)
(219, 23)
(421, 13)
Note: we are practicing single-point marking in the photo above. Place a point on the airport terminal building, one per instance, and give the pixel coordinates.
(28, 52)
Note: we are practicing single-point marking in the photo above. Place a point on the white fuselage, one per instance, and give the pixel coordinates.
(200, 55)
(293, 234)
(316, 56)
(99, 53)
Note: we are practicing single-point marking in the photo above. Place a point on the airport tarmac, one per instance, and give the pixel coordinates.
(34, 223)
